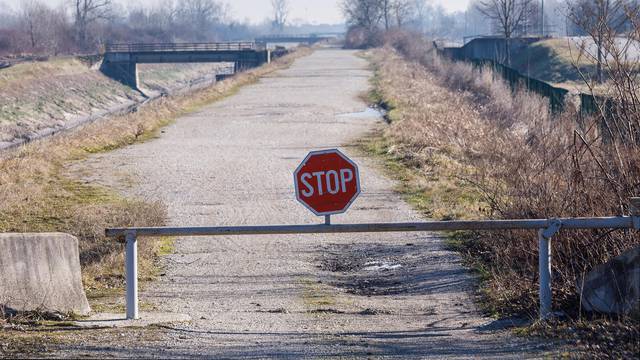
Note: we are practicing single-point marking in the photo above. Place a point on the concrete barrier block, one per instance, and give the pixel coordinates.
(613, 287)
(41, 272)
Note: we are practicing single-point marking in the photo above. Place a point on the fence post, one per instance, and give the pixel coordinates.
(544, 267)
(131, 263)
(635, 212)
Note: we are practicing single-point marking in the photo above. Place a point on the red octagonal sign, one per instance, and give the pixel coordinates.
(327, 182)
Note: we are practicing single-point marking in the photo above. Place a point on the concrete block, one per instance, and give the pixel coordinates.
(41, 272)
(613, 287)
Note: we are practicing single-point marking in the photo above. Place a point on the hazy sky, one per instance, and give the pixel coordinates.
(313, 11)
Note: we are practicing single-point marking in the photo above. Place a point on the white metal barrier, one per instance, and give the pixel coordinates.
(546, 229)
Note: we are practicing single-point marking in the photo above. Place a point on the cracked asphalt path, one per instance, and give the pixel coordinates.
(231, 163)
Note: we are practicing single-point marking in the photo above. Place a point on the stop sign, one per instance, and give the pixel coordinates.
(327, 182)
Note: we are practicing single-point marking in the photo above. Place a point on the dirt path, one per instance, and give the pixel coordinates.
(265, 296)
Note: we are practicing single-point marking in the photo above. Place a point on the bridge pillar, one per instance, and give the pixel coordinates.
(121, 68)
(267, 56)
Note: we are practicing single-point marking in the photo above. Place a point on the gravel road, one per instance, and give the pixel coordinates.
(231, 163)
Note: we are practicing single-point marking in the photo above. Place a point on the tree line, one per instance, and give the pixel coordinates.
(85, 26)
(505, 18)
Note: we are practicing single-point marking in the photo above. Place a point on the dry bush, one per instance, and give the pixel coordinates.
(359, 37)
(452, 121)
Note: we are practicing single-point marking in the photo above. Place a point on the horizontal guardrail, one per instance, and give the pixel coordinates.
(547, 228)
(155, 47)
(622, 222)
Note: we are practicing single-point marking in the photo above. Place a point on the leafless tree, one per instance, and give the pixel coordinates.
(44, 29)
(163, 15)
(386, 6)
(198, 17)
(33, 22)
(61, 31)
(532, 21)
(363, 13)
(395, 11)
(420, 13)
(280, 13)
(86, 13)
(601, 20)
(508, 15)
(403, 11)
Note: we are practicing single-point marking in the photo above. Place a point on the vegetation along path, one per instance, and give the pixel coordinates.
(231, 163)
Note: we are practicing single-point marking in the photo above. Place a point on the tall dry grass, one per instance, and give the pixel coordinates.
(37, 193)
(453, 122)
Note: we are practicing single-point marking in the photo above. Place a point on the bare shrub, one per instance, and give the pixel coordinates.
(358, 37)
(88, 223)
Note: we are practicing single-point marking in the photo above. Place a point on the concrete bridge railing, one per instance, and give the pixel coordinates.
(120, 60)
(154, 47)
(284, 38)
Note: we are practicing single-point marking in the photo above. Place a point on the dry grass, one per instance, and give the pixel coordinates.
(37, 96)
(28, 71)
(427, 136)
(37, 194)
(472, 145)
(163, 77)
(468, 126)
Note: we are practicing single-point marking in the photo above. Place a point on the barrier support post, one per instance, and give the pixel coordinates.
(544, 268)
(635, 211)
(131, 263)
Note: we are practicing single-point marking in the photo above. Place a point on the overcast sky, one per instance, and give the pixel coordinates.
(311, 11)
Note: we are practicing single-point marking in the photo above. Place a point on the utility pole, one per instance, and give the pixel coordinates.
(542, 22)
(466, 32)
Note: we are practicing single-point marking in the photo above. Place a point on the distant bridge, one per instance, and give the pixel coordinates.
(284, 38)
(120, 60)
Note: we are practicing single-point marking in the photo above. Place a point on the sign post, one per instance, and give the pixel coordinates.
(327, 182)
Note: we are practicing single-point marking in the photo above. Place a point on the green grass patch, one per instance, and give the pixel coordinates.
(316, 295)
(438, 195)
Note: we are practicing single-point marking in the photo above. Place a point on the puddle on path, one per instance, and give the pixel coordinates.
(367, 113)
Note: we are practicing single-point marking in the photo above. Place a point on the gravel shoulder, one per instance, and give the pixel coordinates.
(231, 163)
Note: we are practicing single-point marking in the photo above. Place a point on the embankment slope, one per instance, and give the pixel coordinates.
(39, 98)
